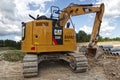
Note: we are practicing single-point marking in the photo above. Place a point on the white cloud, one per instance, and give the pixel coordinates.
(112, 8)
(13, 12)
(8, 29)
(87, 29)
(17, 38)
(106, 29)
(112, 11)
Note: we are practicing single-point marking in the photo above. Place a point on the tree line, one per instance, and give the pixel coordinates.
(10, 43)
(81, 36)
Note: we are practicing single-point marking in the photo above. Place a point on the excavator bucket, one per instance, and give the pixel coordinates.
(91, 52)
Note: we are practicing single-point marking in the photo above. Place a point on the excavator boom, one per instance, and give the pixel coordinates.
(75, 9)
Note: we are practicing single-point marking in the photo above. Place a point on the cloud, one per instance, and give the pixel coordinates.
(87, 29)
(112, 8)
(25, 9)
(13, 12)
(7, 9)
(106, 29)
(17, 38)
(9, 29)
(112, 11)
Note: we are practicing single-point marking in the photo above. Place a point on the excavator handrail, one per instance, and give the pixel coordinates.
(52, 11)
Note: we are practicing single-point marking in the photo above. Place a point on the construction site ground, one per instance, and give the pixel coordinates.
(107, 69)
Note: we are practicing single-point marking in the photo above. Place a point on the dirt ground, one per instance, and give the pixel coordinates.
(107, 69)
(112, 69)
(10, 70)
(50, 70)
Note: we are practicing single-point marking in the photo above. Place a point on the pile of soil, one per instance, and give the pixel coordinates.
(112, 69)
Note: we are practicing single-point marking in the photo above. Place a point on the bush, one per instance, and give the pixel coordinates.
(13, 56)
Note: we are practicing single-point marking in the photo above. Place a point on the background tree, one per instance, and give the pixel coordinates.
(82, 36)
(10, 43)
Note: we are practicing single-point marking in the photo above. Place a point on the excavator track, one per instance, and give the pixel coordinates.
(30, 65)
(79, 63)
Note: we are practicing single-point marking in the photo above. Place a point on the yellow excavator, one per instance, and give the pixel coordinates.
(53, 39)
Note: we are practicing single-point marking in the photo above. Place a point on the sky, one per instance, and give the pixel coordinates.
(13, 12)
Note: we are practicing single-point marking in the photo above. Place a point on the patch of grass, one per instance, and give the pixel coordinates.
(7, 48)
(12, 48)
(13, 56)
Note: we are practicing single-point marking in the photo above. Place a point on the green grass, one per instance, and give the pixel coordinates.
(7, 48)
(13, 56)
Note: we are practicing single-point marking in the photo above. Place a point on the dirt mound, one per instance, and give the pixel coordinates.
(112, 70)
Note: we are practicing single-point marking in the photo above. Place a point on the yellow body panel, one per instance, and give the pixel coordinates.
(69, 36)
(38, 38)
(42, 35)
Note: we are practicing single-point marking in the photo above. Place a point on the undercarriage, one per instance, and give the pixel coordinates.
(77, 61)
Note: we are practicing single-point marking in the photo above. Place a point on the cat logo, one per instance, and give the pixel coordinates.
(57, 32)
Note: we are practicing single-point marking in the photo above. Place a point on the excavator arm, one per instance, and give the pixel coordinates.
(75, 10)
